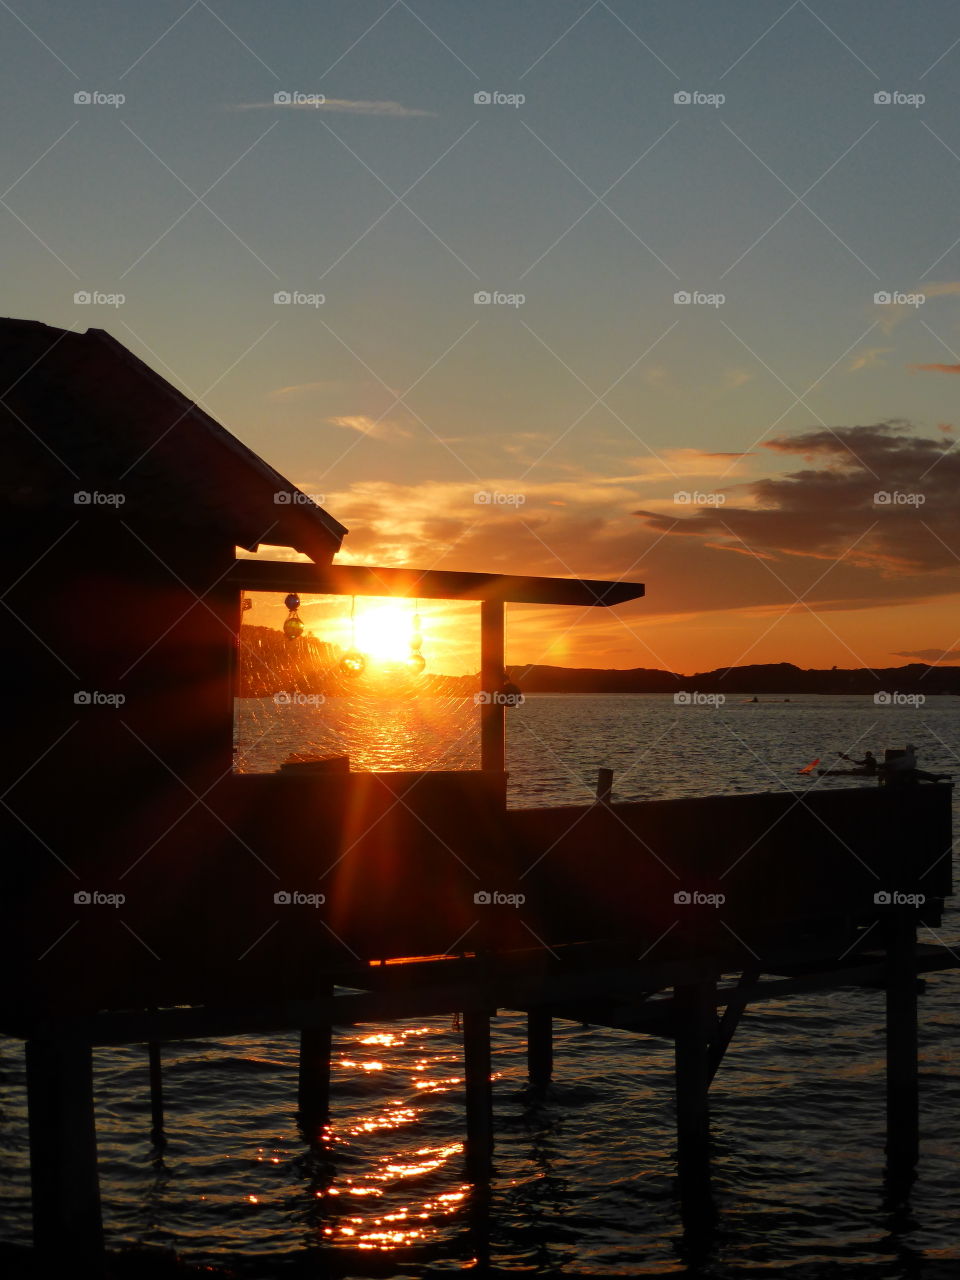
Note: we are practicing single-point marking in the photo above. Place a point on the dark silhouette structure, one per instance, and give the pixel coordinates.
(140, 874)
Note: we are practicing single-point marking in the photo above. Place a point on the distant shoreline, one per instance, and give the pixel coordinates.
(781, 680)
(268, 663)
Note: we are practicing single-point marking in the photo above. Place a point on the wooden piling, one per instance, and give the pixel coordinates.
(539, 1047)
(604, 785)
(313, 1080)
(492, 745)
(63, 1153)
(157, 1136)
(694, 1024)
(479, 1093)
(903, 1118)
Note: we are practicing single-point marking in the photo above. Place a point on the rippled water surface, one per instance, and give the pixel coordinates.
(584, 1180)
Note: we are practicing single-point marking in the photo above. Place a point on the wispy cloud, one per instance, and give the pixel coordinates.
(734, 378)
(934, 368)
(889, 315)
(300, 390)
(380, 429)
(940, 290)
(348, 106)
(868, 358)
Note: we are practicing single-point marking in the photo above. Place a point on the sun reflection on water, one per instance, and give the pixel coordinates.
(413, 1190)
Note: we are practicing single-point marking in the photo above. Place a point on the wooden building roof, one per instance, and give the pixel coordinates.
(79, 412)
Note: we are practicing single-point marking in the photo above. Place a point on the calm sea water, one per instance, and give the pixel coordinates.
(584, 1179)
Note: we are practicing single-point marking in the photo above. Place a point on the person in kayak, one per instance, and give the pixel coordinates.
(868, 764)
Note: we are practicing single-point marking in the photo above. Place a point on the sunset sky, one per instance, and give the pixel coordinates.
(589, 411)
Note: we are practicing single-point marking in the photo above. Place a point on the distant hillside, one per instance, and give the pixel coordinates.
(534, 679)
(772, 678)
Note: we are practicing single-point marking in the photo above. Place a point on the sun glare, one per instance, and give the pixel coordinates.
(385, 632)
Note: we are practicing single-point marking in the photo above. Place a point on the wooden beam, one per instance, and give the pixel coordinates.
(427, 584)
(539, 1047)
(695, 1013)
(736, 1004)
(903, 1135)
(313, 1081)
(67, 1226)
(156, 1096)
(436, 986)
(479, 1094)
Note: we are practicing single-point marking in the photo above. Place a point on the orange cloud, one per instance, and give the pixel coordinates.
(930, 655)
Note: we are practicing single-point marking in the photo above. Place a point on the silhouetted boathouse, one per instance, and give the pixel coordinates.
(124, 505)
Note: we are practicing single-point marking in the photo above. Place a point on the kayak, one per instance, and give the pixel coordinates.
(845, 773)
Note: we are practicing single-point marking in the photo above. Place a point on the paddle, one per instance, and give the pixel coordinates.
(810, 767)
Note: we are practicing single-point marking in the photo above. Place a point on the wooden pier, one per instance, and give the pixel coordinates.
(694, 1000)
(646, 968)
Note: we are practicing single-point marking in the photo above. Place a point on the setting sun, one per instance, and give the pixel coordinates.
(385, 632)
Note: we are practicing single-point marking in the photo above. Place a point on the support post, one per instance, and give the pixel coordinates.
(63, 1153)
(903, 1100)
(479, 1094)
(492, 745)
(604, 785)
(695, 1018)
(539, 1047)
(313, 1081)
(156, 1096)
